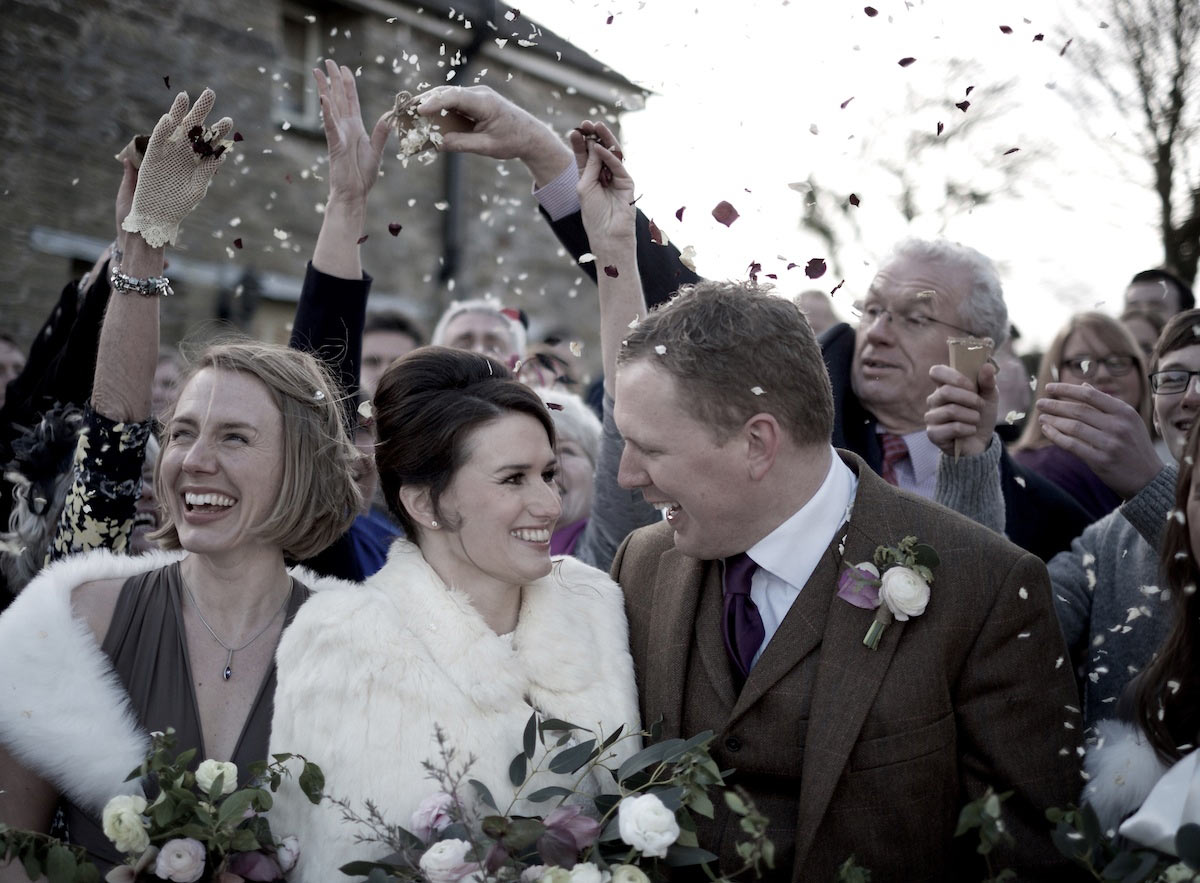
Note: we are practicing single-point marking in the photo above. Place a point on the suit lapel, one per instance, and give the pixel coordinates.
(678, 587)
(849, 674)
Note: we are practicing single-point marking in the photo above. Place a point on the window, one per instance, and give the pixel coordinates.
(296, 95)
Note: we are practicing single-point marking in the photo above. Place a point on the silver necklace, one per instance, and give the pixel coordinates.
(228, 673)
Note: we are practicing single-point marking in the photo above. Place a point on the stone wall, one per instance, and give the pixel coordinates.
(83, 76)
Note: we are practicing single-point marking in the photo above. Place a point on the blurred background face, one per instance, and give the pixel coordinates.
(1144, 331)
(575, 481)
(12, 360)
(1157, 296)
(379, 350)
(1086, 360)
(484, 333)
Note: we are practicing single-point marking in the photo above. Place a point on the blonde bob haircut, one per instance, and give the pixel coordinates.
(318, 497)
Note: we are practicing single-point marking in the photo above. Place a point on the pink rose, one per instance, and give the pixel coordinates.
(568, 832)
(180, 860)
(446, 861)
(432, 815)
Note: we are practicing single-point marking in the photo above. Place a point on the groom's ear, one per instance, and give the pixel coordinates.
(762, 435)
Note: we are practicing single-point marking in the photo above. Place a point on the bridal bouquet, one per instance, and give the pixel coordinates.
(630, 836)
(200, 826)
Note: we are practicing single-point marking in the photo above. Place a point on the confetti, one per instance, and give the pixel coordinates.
(394, 228)
(554, 406)
(1023, 593)
(963, 105)
(815, 268)
(576, 348)
(609, 21)
(1063, 51)
(366, 411)
(836, 287)
(871, 11)
(1005, 29)
(656, 235)
(612, 271)
(757, 390)
(586, 258)
(1038, 38)
(167, 82)
(970, 89)
(661, 350)
(1013, 416)
(513, 14)
(237, 136)
(940, 127)
(237, 243)
(362, 239)
(725, 213)
(687, 257)
(679, 213)
(847, 101)
(1011, 151)
(853, 200)
(905, 62)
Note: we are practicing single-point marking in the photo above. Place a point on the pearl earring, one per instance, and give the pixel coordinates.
(433, 524)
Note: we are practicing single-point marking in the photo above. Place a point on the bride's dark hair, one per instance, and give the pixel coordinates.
(1164, 700)
(426, 405)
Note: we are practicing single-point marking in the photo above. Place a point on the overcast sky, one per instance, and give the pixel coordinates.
(748, 99)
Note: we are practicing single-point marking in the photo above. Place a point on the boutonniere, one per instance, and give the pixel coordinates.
(895, 584)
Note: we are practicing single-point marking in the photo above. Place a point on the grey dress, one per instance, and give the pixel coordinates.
(147, 645)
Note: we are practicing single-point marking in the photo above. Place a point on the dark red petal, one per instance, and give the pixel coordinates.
(963, 105)
(970, 89)
(754, 269)
(362, 238)
(836, 287)
(771, 276)
(790, 266)
(847, 101)
(237, 136)
(610, 18)
(815, 268)
(941, 128)
(853, 199)
(1011, 150)
(1037, 38)
(725, 213)
(1005, 29)
(554, 406)
(679, 213)
(871, 11)
(237, 243)
(516, 13)
(655, 234)
(1063, 51)
(394, 228)
(611, 270)
(905, 62)
(167, 82)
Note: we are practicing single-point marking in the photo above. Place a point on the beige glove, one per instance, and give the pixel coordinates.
(181, 158)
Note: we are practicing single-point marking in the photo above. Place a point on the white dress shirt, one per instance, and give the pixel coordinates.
(918, 471)
(788, 555)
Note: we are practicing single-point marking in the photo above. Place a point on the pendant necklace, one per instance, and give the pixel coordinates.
(228, 673)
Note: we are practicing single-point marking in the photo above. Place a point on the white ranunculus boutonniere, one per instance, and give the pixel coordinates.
(895, 584)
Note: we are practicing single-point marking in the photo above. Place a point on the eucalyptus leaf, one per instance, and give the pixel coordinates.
(734, 801)
(60, 864)
(484, 794)
(646, 757)
(531, 733)
(312, 782)
(553, 723)
(363, 868)
(516, 770)
(234, 807)
(611, 740)
(701, 804)
(685, 856)
(572, 759)
(547, 793)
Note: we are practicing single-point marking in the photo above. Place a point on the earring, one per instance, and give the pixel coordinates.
(433, 524)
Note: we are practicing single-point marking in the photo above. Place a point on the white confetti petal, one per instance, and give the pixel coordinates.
(661, 350)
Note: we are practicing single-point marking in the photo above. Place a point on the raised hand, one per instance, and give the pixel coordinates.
(181, 158)
(477, 119)
(1103, 431)
(354, 157)
(957, 411)
(605, 189)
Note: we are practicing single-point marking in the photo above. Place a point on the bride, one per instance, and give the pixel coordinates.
(468, 628)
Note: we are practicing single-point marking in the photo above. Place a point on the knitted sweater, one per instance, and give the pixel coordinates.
(1111, 610)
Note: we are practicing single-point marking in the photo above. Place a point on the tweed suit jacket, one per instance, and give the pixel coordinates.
(886, 745)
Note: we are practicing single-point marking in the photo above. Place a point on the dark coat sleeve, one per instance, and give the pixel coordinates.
(659, 266)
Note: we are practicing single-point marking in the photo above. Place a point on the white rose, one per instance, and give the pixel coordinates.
(586, 872)
(208, 771)
(629, 874)
(647, 825)
(904, 592)
(123, 825)
(446, 861)
(181, 860)
(287, 853)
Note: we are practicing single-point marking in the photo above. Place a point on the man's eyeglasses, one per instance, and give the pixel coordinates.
(1171, 382)
(1087, 366)
(912, 319)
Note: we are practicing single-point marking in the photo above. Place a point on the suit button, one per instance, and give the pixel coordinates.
(733, 743)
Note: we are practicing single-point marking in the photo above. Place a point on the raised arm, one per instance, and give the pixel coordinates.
(333, 303)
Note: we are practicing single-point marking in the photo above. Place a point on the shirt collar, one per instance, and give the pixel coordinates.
(923, 454)
(792, 550)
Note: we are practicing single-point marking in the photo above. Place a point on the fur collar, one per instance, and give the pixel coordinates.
(1122, 768)
(64, 713)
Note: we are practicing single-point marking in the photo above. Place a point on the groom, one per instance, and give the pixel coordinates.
(726, 409)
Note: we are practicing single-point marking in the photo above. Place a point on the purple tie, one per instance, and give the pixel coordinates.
(742, 625)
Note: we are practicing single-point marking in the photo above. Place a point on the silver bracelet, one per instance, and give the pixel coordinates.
(152, 287)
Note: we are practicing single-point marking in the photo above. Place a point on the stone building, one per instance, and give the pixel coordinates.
(84, 76)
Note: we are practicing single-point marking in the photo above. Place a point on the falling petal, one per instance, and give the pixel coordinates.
(394, 228)
(906, 61)
(815, 268)
(940, 127)
(362, 239)
(871, 11)
(853, 199)
(237, 243)
(1011, 150)
(661, 350)
(725, 213)
(847, 101)
(679, 213)
(612, 271)
(1005, 29)
(963, 105)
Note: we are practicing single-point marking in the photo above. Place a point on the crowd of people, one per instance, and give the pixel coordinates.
(343, 546)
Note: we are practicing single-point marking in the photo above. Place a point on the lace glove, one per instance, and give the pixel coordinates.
(181, 158)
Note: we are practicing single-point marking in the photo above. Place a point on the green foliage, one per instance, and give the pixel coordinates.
(40, 854)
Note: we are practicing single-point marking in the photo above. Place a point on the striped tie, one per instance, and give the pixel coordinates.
(894, 450)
